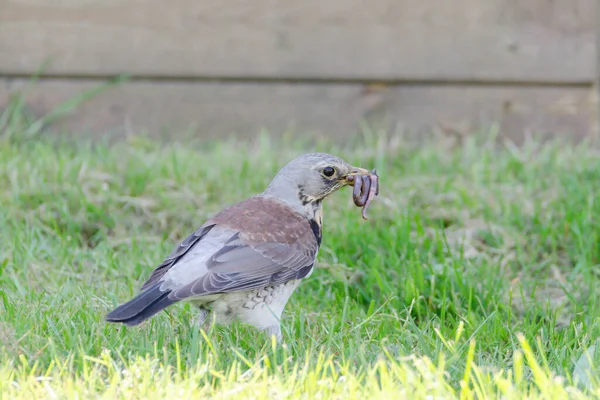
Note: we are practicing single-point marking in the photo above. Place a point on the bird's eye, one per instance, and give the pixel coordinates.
(328, 171)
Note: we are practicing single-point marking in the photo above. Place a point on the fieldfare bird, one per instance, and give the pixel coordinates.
(246, 261)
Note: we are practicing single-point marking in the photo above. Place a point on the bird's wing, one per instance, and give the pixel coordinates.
(177, 254)
(254, 243)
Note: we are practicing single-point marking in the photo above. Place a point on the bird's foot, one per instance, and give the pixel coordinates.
(204, 320)
(274, 331)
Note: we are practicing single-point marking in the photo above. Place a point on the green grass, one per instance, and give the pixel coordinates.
(476, 275)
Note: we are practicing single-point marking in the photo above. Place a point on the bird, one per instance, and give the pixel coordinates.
(245, 262)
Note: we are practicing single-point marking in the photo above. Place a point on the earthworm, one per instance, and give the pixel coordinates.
(373, 191)
(365, 189)
(361, 190)
(356, 190)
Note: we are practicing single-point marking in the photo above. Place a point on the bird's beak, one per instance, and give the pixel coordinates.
(356, 172)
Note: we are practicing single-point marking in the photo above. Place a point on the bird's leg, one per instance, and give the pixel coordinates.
(274, 330)
(204, 319)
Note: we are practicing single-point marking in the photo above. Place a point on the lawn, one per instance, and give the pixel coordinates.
(475, 276)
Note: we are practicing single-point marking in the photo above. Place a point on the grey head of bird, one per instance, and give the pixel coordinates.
(310, 178)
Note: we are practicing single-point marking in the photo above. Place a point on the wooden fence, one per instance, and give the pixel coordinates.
(318, 67)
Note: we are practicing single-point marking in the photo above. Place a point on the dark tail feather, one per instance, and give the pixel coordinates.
(141, 307)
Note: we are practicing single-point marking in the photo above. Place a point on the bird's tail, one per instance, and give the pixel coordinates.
(143, 306)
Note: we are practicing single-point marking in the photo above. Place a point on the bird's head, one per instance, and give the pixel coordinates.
(312, 177)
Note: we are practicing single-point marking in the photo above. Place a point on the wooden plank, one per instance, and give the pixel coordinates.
(516, 40)
(215, 110)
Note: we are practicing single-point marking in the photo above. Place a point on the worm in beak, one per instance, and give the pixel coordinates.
(366, 187)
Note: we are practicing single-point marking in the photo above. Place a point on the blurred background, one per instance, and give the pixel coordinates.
(306, 68)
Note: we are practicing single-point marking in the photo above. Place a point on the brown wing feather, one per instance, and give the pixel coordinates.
(270, 243)
(263, 219)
